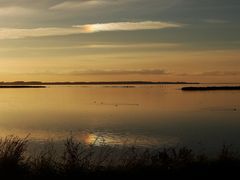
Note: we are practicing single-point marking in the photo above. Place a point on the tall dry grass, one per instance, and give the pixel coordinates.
(84, 161)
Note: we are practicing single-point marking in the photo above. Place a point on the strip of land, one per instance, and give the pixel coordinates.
(211, 88)
(93, 83)
(22, 86)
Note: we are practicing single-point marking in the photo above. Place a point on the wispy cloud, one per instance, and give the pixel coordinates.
(98, 46)
(103, 72)
(12, 11)
(215, 21)
(121, 72)
(212, 73)
(83, 4)
(14, 33)
(220, 73)
(127, 26)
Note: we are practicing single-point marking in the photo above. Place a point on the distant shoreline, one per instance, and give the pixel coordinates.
(2, 87)
(30, 83)
(211, 88)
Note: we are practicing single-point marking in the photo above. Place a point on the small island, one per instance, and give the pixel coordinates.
(211, 88)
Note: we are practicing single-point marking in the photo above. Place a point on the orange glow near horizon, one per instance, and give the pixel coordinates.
(201, 66)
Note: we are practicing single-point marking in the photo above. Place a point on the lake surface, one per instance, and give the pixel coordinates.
(160, 115)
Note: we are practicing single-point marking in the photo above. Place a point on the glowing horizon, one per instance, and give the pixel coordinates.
(103, 40)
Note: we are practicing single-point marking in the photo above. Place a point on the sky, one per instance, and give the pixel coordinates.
(115, 40)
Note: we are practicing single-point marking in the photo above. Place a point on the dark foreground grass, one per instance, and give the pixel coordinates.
(80, 161)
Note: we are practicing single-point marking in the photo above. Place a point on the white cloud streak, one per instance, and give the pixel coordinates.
(127, 26)
(15, 33)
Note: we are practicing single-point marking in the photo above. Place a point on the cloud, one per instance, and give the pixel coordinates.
(83, 4)
(215, 21)
(14, 33)
(220, 73)
(12, 11)
(212, 73)
(74, 4)
(106, 72)
(127, 26)
(122, 72)
(98, 46)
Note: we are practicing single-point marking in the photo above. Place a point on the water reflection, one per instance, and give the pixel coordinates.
(144, 115)
(99, 139)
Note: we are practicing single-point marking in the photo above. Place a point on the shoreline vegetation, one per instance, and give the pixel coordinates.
(89, 161)
(211, 88)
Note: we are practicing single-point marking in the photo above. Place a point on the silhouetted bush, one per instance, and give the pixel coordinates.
(79, 160)
(12, 157)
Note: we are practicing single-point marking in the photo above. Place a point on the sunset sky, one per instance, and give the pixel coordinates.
(108, 40)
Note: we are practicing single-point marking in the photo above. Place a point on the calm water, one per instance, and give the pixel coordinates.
(145, 115)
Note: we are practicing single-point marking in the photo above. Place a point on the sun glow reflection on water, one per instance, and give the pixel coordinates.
(143, 115)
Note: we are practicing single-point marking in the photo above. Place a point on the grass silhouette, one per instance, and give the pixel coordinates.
(89, 161)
